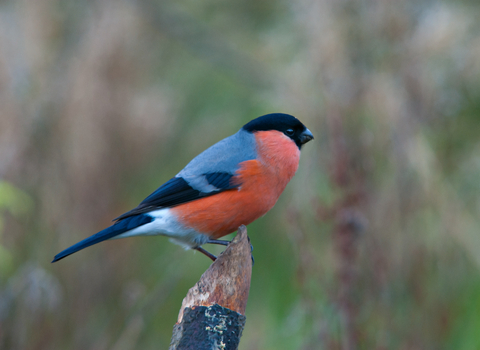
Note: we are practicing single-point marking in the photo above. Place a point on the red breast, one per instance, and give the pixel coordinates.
(262, 181)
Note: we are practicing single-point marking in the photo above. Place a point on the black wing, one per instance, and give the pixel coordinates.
(177, 191)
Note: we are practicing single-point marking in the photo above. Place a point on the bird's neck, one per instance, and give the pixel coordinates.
(279, 153)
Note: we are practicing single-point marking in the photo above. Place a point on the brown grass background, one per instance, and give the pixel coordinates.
(374, 244)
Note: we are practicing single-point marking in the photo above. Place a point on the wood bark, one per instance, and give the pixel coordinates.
(212, 313)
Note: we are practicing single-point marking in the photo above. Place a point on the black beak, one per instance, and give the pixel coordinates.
(306, 136)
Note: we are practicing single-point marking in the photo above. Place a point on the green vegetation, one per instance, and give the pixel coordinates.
(374, 244)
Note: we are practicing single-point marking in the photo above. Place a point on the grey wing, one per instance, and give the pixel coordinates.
(207, 174)
(223, 157)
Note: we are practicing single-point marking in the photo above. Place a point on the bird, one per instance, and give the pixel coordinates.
(232, 183)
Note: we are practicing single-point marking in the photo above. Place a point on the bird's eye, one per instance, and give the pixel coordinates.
(289, 132)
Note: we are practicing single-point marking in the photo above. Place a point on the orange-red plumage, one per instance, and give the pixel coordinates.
(233, 182)
(262, 181)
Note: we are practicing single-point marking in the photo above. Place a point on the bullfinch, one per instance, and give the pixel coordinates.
(232, 183)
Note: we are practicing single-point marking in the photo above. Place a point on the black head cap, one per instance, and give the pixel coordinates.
(285, 123)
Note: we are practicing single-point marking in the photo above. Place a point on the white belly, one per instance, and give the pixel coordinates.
(166, 224)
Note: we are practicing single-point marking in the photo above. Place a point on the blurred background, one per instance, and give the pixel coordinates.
(375, 242)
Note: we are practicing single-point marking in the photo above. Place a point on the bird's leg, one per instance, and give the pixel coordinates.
(218, 241)
(203, 251)
(221, 242)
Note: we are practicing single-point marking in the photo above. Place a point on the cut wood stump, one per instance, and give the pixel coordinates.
(212, 313)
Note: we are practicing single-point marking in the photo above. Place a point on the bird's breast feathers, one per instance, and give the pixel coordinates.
(260, 181)
(278, 153)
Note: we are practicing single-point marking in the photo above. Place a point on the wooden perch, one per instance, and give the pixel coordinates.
(212, 313)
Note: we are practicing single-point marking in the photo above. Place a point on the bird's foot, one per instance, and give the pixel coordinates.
(218, 241)
(251, 250)
(203, 251)
(221, 242)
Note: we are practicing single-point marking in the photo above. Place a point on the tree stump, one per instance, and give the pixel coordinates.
(212, 313)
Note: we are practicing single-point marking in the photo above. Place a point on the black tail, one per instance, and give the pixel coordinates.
(116, 229)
